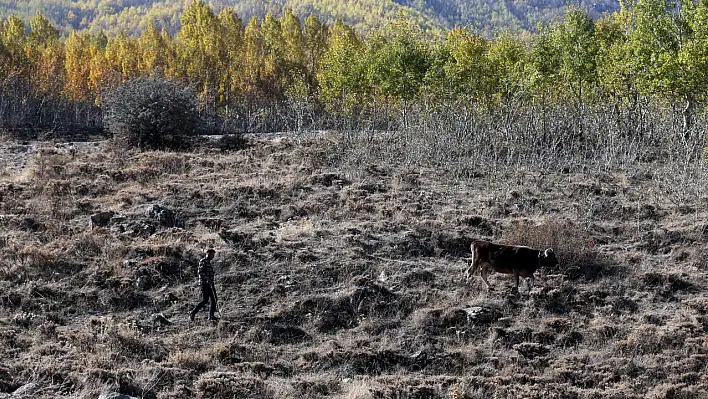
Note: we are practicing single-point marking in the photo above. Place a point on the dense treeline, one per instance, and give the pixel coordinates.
(282, 73)
(133, 16)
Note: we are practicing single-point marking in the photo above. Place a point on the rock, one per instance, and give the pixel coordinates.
(159, 318)
(531, 350)
(165, 216)
(482, 315)
(26, 390)
(115, 395)
(101, 219)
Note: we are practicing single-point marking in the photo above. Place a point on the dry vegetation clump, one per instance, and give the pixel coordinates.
(339, 274)
(226, 384)
(577, 251)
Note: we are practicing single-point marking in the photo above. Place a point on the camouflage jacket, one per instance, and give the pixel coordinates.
(206, 272)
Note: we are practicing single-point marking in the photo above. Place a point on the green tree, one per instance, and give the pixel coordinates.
(578, 53)
(315, 42)
(293, 39)
(398, 64)
(693, 60)
(467, 67)
(665, 52)
(341, 74)
(543, 73)
(252, 57)
(41, 30)
(13, 40)
(507, 57)
(273, 56)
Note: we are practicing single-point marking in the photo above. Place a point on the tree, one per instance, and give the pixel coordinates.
(293, 40)
(123, 53)
(200, 50)
(315, 41)
(78, 66)
(656, 39)
(467, 67)
(693, 60)
(273, 55)
(615, 74)
(151, 112)
(41, 30)
(342, 75)
(152, 51)
(253, 57)
(578, 52)
(507, 57)
(13, 40)
(398, 64)
(233, 36)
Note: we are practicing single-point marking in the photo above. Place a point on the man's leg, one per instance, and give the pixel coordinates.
(212, 305)
(205, 298)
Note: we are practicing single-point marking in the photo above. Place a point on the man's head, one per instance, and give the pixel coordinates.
(210, 252)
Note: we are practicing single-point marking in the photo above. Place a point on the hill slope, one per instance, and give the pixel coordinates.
(341, 278)
(133, 15)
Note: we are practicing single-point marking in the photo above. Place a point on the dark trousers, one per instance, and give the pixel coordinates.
(207, 297)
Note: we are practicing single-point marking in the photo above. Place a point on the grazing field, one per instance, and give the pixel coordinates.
(339, 272)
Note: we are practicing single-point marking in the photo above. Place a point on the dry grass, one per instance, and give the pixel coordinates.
(339, 275)
(576, 249)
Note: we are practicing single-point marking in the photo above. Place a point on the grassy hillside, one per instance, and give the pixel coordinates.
(339, 272)
(134, 15)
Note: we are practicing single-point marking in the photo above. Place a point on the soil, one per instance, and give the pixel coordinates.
(340, 280)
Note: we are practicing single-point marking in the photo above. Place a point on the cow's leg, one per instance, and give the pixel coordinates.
(469, 272)
(483, 273)
(473, 266)
(516, 281)
(530, 283)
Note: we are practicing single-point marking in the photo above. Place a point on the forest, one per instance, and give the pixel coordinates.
(341, 174)
(282, 73)
(133, 16)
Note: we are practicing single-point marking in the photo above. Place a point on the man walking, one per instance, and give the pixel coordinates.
(206, 281)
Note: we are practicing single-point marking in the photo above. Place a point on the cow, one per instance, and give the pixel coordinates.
(510, 259)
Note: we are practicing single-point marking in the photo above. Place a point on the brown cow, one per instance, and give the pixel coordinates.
(509, 259)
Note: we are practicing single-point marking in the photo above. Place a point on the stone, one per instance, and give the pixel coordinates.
(115, 395)
(101, 219)
(481, 315)
(26, 390)
(159, 318)
(165, 216)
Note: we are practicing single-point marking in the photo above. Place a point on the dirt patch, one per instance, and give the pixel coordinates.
(340, 281)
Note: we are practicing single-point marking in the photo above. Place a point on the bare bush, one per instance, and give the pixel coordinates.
(576, 249)
(151, 113)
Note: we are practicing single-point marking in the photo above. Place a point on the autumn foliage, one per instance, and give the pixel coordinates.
(287, 73)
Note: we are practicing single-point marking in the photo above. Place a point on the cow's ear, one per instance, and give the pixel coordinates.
(548, 252)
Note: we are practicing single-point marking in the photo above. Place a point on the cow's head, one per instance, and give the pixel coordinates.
(548, 258)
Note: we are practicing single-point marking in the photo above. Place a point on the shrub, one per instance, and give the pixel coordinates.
(576, 249)
(151, 112)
